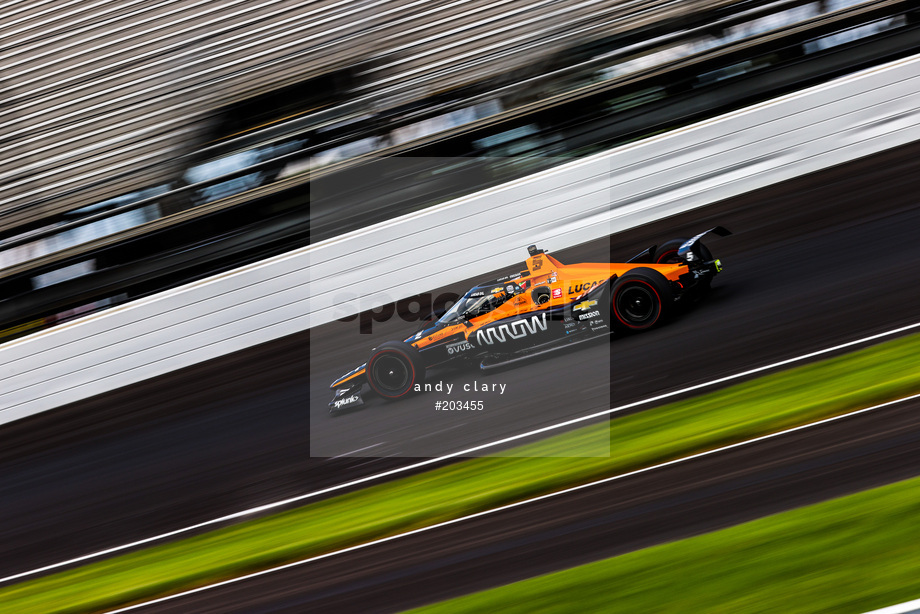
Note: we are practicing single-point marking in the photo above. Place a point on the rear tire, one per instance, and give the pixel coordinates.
(394, 369)
(667, 252)
(640, 300)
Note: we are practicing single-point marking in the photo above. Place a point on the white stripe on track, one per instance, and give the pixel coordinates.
(466, 452)
(908, 607)
(521, 503)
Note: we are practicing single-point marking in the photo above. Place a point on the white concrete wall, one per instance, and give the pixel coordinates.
(827, 125)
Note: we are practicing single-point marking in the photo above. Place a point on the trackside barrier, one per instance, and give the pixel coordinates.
(630, 185)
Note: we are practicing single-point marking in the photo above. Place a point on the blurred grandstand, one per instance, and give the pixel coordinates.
(149, 144)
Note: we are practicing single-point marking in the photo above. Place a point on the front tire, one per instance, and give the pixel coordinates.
(640, 300)
(394, 369)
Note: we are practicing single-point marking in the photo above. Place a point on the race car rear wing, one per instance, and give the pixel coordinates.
(691, 251)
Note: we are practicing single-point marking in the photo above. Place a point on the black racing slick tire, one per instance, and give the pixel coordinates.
(640, 300)
(666, 253)
(394, 369)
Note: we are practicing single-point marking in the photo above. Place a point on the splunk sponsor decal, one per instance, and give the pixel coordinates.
(339, 403)
(512, 330)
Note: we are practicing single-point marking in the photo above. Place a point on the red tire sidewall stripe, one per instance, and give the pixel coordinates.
(667, 254)
(627, 324)
(390, 351)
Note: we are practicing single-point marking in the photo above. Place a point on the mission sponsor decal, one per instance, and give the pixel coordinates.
(589, 315)
(511, 330)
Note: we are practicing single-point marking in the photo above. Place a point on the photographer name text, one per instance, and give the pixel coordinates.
(468, 387)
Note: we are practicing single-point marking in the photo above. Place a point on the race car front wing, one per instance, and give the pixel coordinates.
(346, 398)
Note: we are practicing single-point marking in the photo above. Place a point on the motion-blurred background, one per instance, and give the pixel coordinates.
(147, 144)
(155, 155)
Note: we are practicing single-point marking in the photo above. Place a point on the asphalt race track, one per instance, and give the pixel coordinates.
(814, 262)
(588, 525)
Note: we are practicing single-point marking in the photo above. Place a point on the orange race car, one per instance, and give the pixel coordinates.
(543, 308)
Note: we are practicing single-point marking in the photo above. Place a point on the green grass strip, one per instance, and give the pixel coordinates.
(849, 555)
(768, 404)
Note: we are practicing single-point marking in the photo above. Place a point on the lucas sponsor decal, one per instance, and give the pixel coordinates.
(581, 288)
(511, 330)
